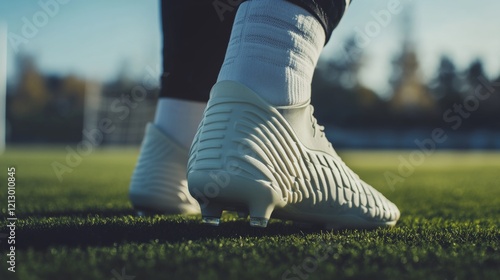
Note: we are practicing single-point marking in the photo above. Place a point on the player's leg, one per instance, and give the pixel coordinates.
(259, 148)
(194, 43)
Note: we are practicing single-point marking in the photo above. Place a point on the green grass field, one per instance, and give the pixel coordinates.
(84, 227)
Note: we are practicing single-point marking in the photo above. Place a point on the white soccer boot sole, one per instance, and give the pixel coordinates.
(251, 157)
(159, 183)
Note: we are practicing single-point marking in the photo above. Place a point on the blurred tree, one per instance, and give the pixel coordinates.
(484, 111)
(45, 108)
(473, 73)
(335, 87)
(411, 103)
(30, 96)
(445, 87)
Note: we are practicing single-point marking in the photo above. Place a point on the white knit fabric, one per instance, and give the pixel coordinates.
(179, 119)
(273, 50)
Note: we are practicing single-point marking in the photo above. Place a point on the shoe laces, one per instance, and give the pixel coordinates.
(318, 129)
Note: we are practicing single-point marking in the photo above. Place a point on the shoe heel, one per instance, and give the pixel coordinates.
(240, 193)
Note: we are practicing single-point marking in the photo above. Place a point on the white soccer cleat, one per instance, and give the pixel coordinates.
(250, 156)
(159, 184)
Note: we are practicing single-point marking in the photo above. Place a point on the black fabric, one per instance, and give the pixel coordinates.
(195, 38)
(328, 12)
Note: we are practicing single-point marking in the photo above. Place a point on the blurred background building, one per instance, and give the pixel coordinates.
(386, 78)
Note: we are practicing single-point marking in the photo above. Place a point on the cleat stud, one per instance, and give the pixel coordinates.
(259, 222)
(211, 214)
(212, 221)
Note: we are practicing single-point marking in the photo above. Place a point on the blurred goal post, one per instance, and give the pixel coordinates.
(3, 85)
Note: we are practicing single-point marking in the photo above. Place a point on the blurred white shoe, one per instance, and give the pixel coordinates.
(249, 156)
(159, 182)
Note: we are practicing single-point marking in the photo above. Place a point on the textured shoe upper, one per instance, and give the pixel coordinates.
(285, 147)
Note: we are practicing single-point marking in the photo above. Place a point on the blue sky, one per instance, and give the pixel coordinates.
(462, 29)
(95, 39)
(90, 38)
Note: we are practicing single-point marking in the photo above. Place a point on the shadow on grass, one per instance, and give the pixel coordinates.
(74, 213)
(98, 228)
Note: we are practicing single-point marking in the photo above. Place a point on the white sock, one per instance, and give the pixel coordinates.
(273, 50)
(179, 119)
